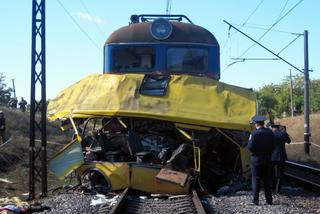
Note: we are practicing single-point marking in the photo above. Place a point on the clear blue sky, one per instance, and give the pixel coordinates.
(71, 56)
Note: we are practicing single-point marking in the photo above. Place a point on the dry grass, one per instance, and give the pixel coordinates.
(14, 157)
(295, 129)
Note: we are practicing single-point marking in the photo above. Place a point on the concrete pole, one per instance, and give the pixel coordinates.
(306, 96)
(291, 94)
(14, 88)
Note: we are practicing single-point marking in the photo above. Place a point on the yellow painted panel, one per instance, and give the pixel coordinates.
(117, 173)
(199, 101)
(143, 178)
(245, 162)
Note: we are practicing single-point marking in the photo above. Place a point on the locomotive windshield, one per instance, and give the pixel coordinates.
(187, 60)
(162, 45)
(133, 59)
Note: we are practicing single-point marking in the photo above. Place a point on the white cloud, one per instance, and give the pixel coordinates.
(88, 17)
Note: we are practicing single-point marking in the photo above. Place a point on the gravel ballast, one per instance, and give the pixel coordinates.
(292, 200)
(72, 203)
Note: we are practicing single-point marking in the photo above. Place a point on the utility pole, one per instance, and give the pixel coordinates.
(38, 125)
(14, 89)
(306, 96)
(306, 82)
(291, 93)
(168, 9)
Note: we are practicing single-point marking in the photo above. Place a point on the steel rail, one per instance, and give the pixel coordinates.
(197, 203)
(304, 173)
(120, 204)
(303, 166)
(123, 203)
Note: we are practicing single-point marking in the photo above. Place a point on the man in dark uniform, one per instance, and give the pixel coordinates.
(261, 143)
(279, 155)
(22, 104)
(2, 127)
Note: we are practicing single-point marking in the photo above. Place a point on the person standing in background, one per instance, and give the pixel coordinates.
(2, 128)
(279, 155)
(22, 105)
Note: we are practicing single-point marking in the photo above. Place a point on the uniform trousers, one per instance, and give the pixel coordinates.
(261, 172)
(277, 175)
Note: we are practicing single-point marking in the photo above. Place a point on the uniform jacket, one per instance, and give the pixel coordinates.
(2, 124)
(260, 145)
(279, 151)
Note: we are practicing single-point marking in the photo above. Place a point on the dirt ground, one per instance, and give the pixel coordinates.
(14, 156)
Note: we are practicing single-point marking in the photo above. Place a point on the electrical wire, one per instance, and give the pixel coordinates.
(253, 12)
(289, 43)
(261, 28)
(269, 29)
(283, 8)
(97, 26)
(80, 28)
(244, 23)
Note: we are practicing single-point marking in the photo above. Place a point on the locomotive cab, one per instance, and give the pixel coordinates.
(162, 44)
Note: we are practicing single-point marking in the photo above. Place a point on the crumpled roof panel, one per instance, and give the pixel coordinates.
(189, 99)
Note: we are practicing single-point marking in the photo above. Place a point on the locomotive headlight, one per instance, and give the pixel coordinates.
(161, 29)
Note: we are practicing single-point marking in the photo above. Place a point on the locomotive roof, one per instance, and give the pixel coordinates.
(181, 32)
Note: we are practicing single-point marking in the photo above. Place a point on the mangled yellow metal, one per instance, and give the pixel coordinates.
(117, 173)
(67, 160)
(198, 101)
(134, 176)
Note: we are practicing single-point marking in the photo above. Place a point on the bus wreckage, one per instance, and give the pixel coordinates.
(156, 133)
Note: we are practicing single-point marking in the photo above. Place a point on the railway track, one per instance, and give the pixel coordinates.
(130, 202)
(303, 173)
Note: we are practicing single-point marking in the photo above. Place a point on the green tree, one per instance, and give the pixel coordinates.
(276, 98)
(315, 95)
(266, 99)
(5, 93)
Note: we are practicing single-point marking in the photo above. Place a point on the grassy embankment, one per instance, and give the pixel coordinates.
(14, 157)
(295, 129)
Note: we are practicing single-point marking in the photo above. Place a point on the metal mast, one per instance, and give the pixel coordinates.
(14, 89)
(38, 126)
(306, 96)
(291, 93)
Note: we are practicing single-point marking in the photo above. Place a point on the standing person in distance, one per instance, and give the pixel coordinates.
(2, 127)
(260, 145)
(22, 105)
(279, 155)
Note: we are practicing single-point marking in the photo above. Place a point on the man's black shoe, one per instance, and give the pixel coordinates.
(255, 202)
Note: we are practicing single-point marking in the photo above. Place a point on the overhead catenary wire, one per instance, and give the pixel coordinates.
(285, 47)
(269, 29)
(270, 51)
(80, 28)
(244, 23)
(283, 8)
(253, 12)
(262, 28)
(96, 24)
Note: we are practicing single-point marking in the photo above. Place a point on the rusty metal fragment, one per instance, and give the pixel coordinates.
(173, 176)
